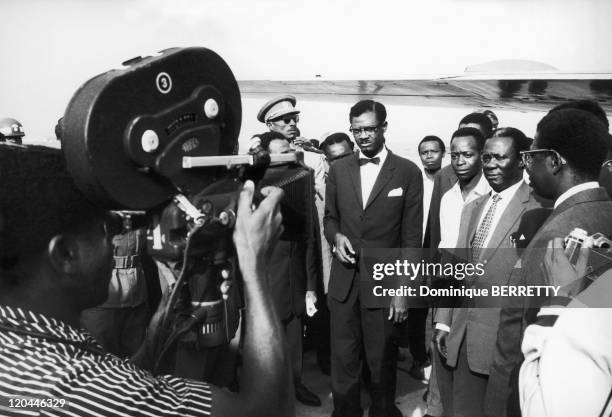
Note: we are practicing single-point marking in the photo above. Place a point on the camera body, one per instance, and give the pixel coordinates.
(160, 136)
(579, 238)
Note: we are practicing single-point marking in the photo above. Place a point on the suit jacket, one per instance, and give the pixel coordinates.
(498, 258)
(590, 210)
(444, 181)
(294, 267)
(386, 222)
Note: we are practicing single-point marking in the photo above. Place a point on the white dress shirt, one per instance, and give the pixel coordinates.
(575, 190)
(369, 172)
(451, 205)
(502, 204)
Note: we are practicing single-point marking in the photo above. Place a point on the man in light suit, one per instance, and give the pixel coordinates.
(563, 164)
(466, 336)
(373, 200)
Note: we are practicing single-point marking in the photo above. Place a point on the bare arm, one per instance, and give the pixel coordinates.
(265, 385)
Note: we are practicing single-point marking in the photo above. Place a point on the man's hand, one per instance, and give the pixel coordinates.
(439, 338)
(557, 268)
(398, 310)
(256, 231)
(311, 301)
(299, 141)
(344, 249)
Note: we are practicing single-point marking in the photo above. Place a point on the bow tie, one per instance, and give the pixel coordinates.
(363, 161)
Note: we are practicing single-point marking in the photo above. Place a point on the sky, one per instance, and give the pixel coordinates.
(53, 47)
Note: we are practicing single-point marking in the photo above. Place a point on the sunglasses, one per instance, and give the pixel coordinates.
(288, 119)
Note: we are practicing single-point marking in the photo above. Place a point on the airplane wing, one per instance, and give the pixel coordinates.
(510, 90)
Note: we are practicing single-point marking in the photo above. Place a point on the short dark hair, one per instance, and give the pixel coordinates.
(470, 131)
(267, 137)
(480, 119)
(589, 106)
(337, 137)
(578, 136)
(432, 138)
(369, 105)
(39, 200)
(520, 142)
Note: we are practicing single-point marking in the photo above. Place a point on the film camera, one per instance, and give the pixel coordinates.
(159, 136)
(579, 238)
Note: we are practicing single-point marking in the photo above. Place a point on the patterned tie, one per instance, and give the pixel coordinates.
(483, 229)
(375, 161)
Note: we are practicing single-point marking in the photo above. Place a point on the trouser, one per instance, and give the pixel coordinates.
(318, 329)
(118, 330)
(462, 390)
(293, 333)
(352, 327)
(412, 334)
(434, 402)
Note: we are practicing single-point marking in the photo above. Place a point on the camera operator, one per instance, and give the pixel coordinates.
(56, 260)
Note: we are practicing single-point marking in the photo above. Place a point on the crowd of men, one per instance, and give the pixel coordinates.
(503, 197)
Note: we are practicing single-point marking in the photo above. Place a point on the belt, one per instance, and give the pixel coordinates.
(126, 262)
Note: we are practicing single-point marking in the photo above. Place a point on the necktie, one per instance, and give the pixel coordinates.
(483, 229)
(375, 161)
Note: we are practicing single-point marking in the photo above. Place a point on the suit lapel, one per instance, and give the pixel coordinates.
(385, 174)
(355, 175)
(479, 205)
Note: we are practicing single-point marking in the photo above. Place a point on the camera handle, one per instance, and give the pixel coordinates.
(230, 161)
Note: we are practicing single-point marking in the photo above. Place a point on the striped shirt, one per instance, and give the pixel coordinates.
(45, 358)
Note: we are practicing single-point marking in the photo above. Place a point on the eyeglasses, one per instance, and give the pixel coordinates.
(607, 164)
(487, 157)
(528, 156)
(368, 130)
(288, 119)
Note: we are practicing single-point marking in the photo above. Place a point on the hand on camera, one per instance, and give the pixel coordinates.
(256, 230)
(557, 268)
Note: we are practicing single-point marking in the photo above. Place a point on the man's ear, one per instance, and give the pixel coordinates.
(555, 164)
(384, 126)
(63, 253)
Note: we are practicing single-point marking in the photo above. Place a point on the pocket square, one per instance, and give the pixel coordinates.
(396, 192)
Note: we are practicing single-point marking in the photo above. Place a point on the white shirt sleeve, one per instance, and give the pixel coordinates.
(567, 367)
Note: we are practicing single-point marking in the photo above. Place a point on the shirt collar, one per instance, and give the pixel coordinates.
(575, 190)
(46, 326)
(509, 192)
(482, 187)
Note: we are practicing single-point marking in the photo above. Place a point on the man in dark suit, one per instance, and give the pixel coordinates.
(487, 225)
(373, 200)
(563, 164)
(292, 274)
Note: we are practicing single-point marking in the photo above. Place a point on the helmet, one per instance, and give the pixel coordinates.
(11, 129)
